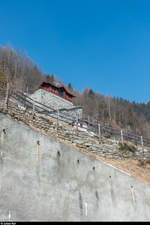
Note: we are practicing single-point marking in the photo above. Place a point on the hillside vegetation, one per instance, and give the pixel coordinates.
(24, 75)
(116, 112)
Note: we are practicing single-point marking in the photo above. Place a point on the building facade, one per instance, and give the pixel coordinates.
(57, 98)
(59, 91)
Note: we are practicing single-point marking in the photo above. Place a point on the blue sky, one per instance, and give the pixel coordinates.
(103, 45)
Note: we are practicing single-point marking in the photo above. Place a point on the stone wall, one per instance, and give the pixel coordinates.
(2, 101)
(73, 112)
(68, 115)
(78, 137)
(65, 107)
(51, 100)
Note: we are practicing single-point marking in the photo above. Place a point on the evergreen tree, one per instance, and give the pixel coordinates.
(70, 87)
(91, 93)
(52, 79)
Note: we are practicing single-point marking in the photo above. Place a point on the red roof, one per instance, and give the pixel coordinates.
(58, 87)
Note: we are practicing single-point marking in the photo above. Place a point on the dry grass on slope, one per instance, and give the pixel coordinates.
(139, 169)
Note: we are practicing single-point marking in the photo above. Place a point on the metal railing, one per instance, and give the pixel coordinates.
(95, 127)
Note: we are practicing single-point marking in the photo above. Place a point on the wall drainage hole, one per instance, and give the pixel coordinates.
(58, 154)
(4, 131)
(97, 195)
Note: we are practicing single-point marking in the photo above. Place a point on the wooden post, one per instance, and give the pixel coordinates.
(142, 144)
(127, 136)
(58, 115)
(99, 132)
(57, 118)
(76, 121)
(88, 121)
(24, 101)
(121, 137)
(33, 110)
(6, 98)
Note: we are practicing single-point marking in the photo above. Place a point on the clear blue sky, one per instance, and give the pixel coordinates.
(103, 44)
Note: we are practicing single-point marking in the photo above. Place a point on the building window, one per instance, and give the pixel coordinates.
(60, 92)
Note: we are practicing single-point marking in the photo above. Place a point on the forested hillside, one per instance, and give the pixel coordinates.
(24, 75)
(116, 112)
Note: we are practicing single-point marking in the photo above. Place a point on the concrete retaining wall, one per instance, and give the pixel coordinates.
(62, 184)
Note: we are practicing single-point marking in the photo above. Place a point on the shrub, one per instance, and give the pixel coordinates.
(141, 162)
(148, 160)
(125, 147)
(107, 136)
